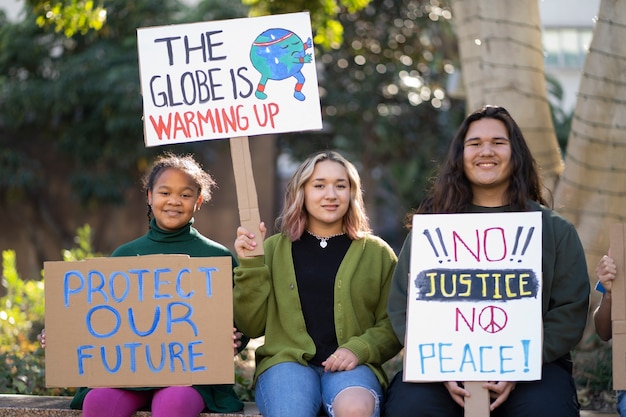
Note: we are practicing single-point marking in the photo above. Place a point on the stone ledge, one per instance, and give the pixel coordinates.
(12, 405)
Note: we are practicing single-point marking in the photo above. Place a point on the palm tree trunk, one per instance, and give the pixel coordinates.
(592, 190)
(502, 63)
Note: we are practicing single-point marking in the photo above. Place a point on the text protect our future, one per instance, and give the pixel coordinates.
(139, 303)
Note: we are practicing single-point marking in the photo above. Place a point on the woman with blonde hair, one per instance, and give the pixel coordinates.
(319, 297)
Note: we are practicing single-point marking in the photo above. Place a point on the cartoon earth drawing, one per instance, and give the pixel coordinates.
(279, 54)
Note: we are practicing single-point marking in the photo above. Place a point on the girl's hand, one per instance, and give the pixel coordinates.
(245, 240)
(236, 340)
(42, 338)
(606, 272)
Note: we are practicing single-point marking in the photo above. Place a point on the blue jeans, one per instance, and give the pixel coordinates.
(290, 389)
(621, 403)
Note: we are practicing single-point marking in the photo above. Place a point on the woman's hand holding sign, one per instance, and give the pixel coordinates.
(245, 240)
(457, 392)
(499, 392)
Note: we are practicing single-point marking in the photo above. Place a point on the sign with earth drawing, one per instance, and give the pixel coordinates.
(474, 306)
(229, 78)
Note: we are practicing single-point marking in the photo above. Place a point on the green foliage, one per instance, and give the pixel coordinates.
(208, 10)
(593, 364)
(327, 26)
(21, 319)
(593, 374)
(72, 106)
(385, 104)
(19, 175)
(79, 17)
(84, 248)
(21, 307)
(244, 373)
(70, 16)
(22, 369)
(561, 119)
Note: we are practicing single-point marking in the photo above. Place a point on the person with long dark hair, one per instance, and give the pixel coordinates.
(490, 169)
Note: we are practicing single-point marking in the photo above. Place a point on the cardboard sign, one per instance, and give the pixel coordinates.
(617, 238)
(146, 321)
(247, 200)
(474, 307)
(230, 78)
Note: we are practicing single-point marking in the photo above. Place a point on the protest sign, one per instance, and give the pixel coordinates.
(474, 298)
(229, 78)
(247, 200)
(156, 320)
(617, 238)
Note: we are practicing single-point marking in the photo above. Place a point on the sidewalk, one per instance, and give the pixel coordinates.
(42, 406)
(587, 413)
(14, 405)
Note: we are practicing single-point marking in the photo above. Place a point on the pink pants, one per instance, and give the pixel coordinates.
(163, 402)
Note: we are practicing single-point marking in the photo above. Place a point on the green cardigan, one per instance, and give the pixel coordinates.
(267, 303)
(565, 284)
(217, 398)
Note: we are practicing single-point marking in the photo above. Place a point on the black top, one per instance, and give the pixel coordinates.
(316, 268)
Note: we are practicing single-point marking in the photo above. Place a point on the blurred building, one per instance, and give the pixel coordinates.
(567, 32)
(12, 8)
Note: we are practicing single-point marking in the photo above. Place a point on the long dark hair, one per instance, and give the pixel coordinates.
(451, 191)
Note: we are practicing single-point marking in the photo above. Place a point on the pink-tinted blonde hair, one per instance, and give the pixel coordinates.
(293, 219)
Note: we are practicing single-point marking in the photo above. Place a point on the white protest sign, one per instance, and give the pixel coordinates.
(474, 307)
(229, 78)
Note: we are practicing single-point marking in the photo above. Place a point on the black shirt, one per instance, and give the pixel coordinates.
(316, 268)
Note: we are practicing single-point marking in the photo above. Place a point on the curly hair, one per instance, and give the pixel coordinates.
(184, 163)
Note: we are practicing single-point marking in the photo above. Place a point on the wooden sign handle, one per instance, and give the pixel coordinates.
(247, 200)
(617, 242)
(478, 404)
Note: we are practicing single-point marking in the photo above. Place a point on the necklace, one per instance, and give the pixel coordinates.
(324, 240)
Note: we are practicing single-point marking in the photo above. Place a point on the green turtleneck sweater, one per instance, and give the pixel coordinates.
(188, 241)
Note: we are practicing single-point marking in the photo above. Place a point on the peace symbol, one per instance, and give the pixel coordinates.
(492, 319)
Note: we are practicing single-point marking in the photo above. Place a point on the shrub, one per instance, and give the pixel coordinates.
(22, 368)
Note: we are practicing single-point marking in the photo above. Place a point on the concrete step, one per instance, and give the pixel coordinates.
(588, 413)
(12, 405)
